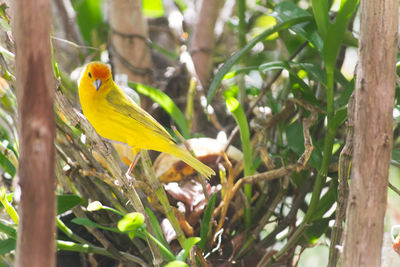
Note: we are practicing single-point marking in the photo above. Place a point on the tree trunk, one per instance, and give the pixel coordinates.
(35, 88)
(375, 86)
(130, 53)
(203, 39)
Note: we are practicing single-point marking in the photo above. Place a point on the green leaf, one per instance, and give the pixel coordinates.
(320, 10)
(339, 118)
(396, 155)
(187, 246)
(131, 222)
(205, 228)
(90, 20)
(310, 33)
(289, 17)
(176, 264)
(153, 8)
(307, 30)
(8, 230)
(157, 229)
(316, 229)
(7, 245)
(67, 202)
(237, 111)
(326, 202)
(233, 73)
(240, 117)
(314, 71)
(305, 90)
(6, 165)
(166, 103)
(345, 95)
(336, 31)
(263, 23)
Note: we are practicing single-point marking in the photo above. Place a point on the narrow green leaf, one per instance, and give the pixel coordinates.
(205, 228)
(166, 103)
(233, 73)
(321, 16)
(156, 227)
(336, 32)
(240, 117)
(294, 16)
(238, 113)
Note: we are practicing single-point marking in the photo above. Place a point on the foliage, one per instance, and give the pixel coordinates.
(286, 59)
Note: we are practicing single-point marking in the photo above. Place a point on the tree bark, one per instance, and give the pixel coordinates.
(35, 90)
(203, 39)
(375, 86)
(130, 53)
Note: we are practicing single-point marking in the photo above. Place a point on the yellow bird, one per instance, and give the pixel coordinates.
(115, 116)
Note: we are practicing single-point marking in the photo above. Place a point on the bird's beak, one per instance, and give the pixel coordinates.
(97, 83)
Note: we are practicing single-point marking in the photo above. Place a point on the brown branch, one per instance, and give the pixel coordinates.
(343, 187)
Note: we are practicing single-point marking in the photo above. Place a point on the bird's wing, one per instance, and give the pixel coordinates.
(127, 107)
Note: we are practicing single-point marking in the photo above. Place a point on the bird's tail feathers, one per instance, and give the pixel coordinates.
(193, 162)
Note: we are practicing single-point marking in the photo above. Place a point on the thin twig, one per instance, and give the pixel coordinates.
(343, 187)
(395, 189)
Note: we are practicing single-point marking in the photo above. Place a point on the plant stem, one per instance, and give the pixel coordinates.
(321, 177)
(85, 248)
(162, 196)
(160, 244)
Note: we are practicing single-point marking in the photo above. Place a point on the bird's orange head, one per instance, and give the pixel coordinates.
(95, 75)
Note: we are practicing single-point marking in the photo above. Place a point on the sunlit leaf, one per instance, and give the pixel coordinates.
(153, 8)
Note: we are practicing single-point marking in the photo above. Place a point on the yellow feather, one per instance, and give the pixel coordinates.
(115, 116)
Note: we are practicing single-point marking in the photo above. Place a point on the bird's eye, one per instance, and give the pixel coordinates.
(90, 75)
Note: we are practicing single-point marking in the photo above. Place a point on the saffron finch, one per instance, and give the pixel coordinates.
(115, 116)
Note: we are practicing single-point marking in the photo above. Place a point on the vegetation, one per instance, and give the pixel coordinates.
(274, 85)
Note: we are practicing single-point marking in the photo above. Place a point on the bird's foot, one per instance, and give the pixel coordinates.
(131, 180)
